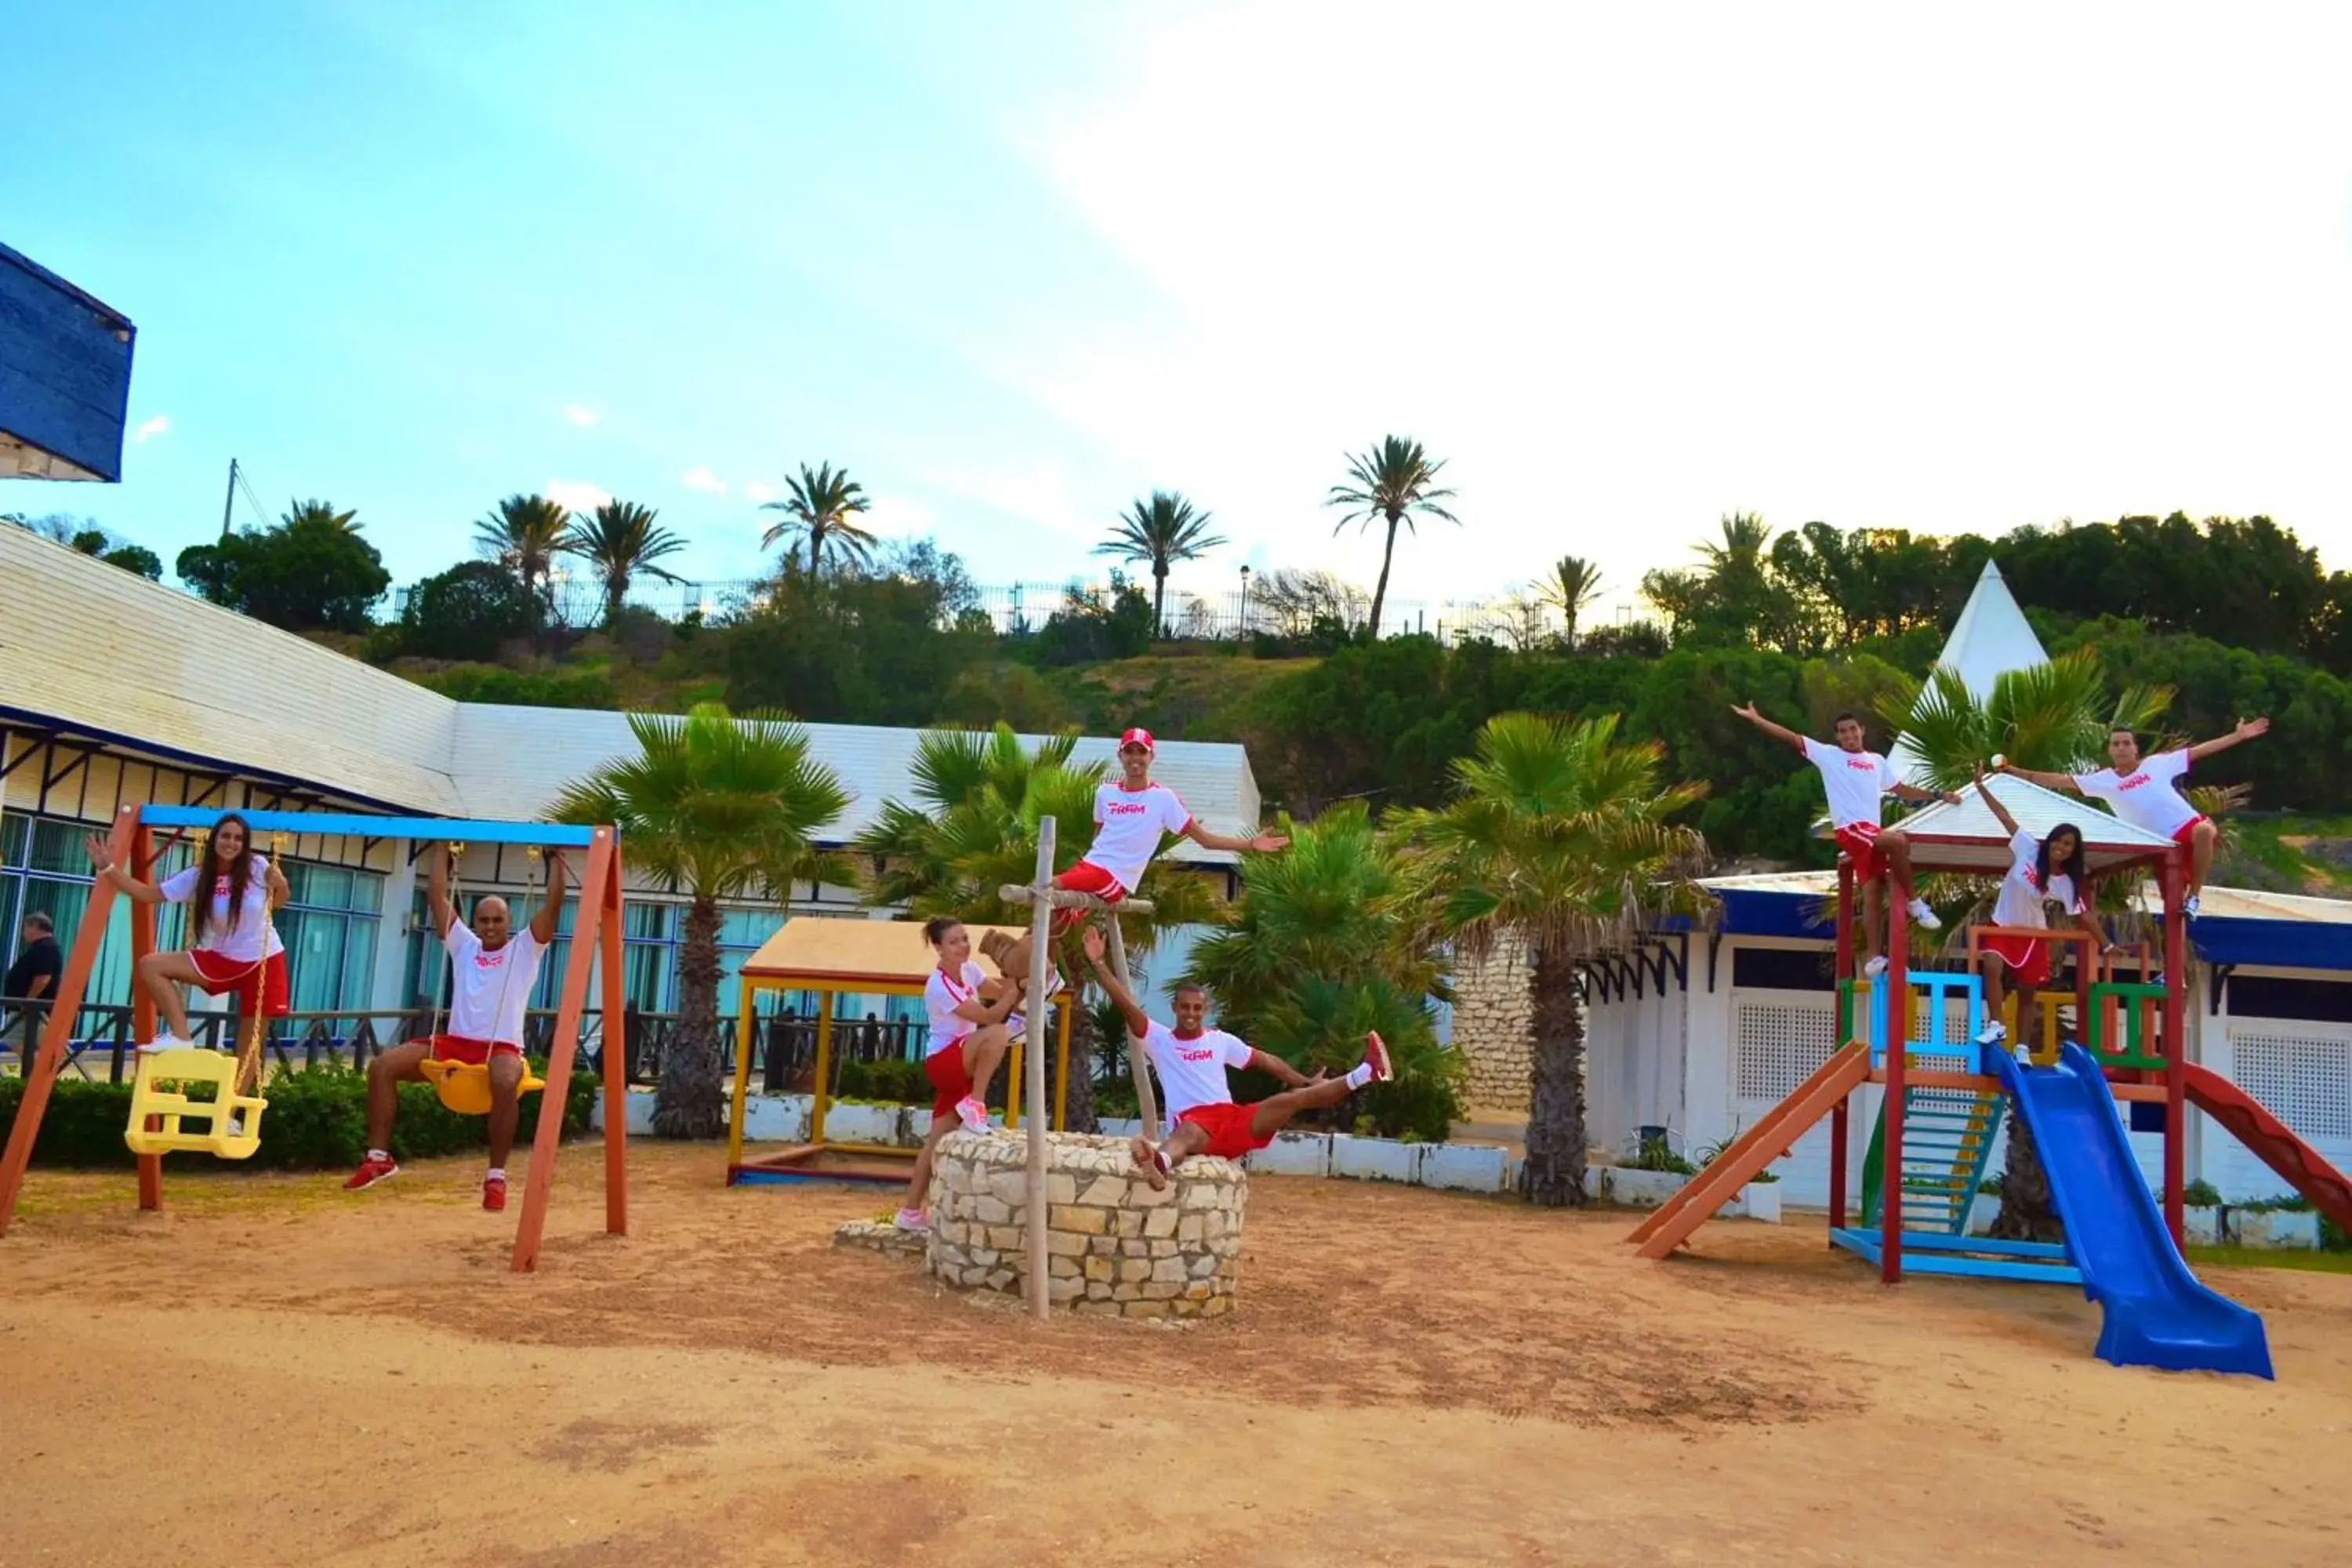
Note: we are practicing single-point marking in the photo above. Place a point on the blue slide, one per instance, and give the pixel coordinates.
(2157, 1314)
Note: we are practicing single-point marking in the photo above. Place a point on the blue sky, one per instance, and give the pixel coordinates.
(1015, 265)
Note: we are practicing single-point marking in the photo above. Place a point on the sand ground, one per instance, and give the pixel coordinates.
(274, 1373)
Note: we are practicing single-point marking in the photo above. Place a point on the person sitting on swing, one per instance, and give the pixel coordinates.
(492, 968)
(233, 946)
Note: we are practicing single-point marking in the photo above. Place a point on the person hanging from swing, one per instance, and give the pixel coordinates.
(233, 945)
(492, 969)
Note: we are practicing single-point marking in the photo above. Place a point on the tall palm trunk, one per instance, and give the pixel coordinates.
(686, 1100)
(1158, 601)
(2026, 1211)
(616, 590)
(1553, 1173)
(1380, 588)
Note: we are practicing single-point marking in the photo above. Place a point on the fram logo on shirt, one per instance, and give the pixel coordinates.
(488, 960)
(1125, 808)
(2133, 782)
(1867, 764)
(1202, 1056)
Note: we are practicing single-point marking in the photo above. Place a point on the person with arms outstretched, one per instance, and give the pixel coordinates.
(2141, 791)
(1855, 778)
(233, 946)
(492, 968)
(1191, 1061)
(2051, 869)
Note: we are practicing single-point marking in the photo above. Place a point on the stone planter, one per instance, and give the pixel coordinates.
(1648, 1189)
(1115, 1246)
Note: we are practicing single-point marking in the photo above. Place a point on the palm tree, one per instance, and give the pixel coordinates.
(721, 808)
(319, 514)
(970, 826)
(1161, 531)
(821, 505)
(2049, 718)
(1558, 837)
(1393, 481)
(618, 540)
(523, 534)
(1574, 583)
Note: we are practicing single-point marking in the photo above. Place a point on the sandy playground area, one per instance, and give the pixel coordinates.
(274, 1373)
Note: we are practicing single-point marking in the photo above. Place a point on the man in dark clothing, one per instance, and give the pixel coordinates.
(40, 966)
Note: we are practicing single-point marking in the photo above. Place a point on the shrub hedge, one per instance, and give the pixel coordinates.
(317, 1120)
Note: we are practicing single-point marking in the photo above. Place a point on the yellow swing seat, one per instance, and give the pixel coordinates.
(179, 1118)
(465, 1087)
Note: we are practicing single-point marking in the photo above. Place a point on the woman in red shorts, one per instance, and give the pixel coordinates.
(2048, 871)
(968, 1039)
(232, 946)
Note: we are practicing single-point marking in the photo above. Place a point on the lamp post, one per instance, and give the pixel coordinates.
(1244, 635)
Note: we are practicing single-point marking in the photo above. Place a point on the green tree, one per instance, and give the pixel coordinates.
(1559, 836)
(1733, 598)
(1160, 532)
(1574, 585)
(523, 534)
(723, 809)
(618, 540)
(1394, 482)
(322, 515)
(313, 570)
(879, 645)
(820, 505)
(469, 612)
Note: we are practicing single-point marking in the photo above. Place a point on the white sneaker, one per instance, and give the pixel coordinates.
(912, 1220)
(2188, 906)
(2023, 1053)
(1925, 915)
(1992, 1034)
(166, 1041)
(1874, 968)
(974, 1114)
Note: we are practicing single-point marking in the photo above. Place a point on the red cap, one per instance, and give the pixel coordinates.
(1137, 738)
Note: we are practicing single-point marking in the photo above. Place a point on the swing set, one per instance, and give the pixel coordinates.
(166, 1118)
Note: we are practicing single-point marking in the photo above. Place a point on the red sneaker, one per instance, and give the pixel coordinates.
(1376, 1057)
(494, 1193)
(372, 1171)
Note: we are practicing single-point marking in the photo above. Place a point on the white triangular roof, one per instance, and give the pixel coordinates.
(1991, 637)
(1969, 838)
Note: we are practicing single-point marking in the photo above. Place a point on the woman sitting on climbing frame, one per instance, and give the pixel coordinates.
(232, 945)
(968, 1040)
(492, 969)
(2050, 870)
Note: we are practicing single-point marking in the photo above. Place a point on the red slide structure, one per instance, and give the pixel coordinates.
(2297, 1163)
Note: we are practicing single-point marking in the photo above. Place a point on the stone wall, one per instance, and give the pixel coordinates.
(1493, 1018)
(1114, 1245)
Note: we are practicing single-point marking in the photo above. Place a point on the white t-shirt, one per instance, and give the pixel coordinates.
(1129, 825)
(1192, 1072)
(941, 997)
(491, 990)
(2021, 897)
(1854, 781)
(253, 938)
(2145, 796)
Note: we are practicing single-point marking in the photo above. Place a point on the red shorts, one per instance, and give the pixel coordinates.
(1228, 1127)
(1860, 842)
(949, 1082)
(2181, 835)
(2028, 958)
(474, 1053)
(260, 988)
(1086, 877)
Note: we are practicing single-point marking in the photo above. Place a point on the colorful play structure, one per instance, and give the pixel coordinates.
(1942, 1100)
(166, 1118)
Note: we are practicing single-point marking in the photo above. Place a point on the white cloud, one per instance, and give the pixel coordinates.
(759, 492)
(580, 415)
(576, 495)
(700, 478)
(900, 515)
(155, 427)
(1039, 494)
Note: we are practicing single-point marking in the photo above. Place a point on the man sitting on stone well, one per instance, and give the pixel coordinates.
(1191, 1061)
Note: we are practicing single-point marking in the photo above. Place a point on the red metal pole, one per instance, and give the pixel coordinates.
(143, 1006)
(1845, 920)
(1837, 1163)
(1857, 1025)
(2176, 1043)
(1897, 980)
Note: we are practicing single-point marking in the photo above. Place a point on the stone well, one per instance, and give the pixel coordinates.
(1114, 1247)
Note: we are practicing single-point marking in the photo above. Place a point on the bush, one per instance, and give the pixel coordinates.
(317, 1120)
(890, 1082)
(1421, 1108)
(525, 688)
(469, 612)
(2200, 1194)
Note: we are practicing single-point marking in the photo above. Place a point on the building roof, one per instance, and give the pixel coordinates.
(1991, 637)
(818, 952)
(1967, 837)
(93, 649)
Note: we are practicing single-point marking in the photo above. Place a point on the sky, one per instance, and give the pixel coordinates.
(1625, 269)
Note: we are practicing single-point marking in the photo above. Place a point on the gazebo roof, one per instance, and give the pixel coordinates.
(1969, 838)
(819, 953)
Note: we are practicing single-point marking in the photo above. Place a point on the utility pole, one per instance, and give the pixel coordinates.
(228, 500)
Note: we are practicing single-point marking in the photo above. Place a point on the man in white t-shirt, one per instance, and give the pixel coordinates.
(1190, 1061)
(1856, 778)
(2141, 790)
(492, 969)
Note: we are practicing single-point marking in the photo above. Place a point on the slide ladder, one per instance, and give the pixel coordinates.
(1947, 1137)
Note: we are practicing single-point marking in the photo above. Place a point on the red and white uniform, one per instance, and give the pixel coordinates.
(1854, 781)
(490, 993)
(244, 957)
(1191, 1071)
(2020, 903)
(2145, 796)
(942, 993)
(1129, 825)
